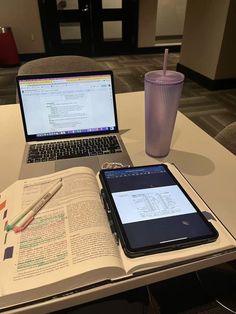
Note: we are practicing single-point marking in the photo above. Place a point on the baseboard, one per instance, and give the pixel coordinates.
(205, 81)
(169, 37)
(144, 50)
(157, 49)
(32, 56)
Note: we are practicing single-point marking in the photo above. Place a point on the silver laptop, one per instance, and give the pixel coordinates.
(69, 120)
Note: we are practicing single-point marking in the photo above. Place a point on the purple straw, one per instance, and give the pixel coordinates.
(165, 61)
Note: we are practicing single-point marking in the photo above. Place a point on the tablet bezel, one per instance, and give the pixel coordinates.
(168, 246)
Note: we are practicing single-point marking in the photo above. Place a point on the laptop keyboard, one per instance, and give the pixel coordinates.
(73, 148)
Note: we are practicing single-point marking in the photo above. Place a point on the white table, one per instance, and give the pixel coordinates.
(208, 166)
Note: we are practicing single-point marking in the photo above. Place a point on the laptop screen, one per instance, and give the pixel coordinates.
(67, 105)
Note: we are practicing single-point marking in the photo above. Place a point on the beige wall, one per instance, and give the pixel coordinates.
(147, 23)
(204, 29)
(227, 65)
(170, 17)
(23, 17)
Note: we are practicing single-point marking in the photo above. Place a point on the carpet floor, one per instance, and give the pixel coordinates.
(210, 110)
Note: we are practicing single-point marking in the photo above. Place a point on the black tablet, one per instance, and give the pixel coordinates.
(151, 211)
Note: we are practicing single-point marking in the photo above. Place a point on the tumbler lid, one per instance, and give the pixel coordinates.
(170, 77)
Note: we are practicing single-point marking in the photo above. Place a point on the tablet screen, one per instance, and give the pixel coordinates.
(152, 211)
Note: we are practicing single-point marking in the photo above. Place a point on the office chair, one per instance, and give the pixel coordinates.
(227, 137)
(59, 64)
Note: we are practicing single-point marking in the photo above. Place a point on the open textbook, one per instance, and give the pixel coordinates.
(70, 245)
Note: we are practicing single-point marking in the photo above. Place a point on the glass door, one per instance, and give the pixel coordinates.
(115, 26)
(89, 27)
(65, 25)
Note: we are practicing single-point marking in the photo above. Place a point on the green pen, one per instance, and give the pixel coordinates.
(29, 208)
(16, 220)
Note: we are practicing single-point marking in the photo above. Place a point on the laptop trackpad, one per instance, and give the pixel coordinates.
(90, 162)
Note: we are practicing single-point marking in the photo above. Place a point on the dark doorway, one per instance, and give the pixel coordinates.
(89, 27)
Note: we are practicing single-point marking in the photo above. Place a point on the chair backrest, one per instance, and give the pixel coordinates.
(59, 64)
(227, 137)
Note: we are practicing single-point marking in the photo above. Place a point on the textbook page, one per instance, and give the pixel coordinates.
(68, 245)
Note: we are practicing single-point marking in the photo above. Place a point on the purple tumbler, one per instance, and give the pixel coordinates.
(162, 93)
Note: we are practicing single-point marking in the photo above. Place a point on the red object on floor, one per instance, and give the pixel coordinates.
(8, 51)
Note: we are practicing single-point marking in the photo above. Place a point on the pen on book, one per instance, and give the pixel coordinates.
(28, 218)
(25, 218)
